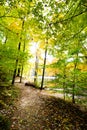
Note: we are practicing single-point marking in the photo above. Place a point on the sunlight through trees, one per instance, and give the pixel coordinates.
(58, 28)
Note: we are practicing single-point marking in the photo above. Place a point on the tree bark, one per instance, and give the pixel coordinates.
(5, 39)
(36, 69)
(74, 80)
(18, 73)
(22, 65)
(14, 75)
(44, 66)
(64, 85)
(16, 64)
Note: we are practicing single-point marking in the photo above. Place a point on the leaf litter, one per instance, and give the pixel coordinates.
(37, 110)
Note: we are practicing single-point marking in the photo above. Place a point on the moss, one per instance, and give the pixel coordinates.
(4, 123)
(7, 98)
(2, 104)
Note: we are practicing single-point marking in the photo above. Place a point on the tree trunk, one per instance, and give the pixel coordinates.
(19, 46)
(18, 73)
(14, 75)
(73, 94)
(64, 85)
(22, 65)
(74, 84)
(5, 40)
(74, 80)
(21, 73)
(44, 66)
(64, 78)
(36, 69)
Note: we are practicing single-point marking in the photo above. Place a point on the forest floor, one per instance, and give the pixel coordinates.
(37, 110)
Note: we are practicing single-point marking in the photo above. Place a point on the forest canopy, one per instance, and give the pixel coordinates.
(59, 30)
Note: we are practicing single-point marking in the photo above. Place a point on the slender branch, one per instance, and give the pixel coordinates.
(78, 14)
(76, 7)
(71, 17)
(8, 29)
(10, 17)
(70, 8)
(84, 5)
(78, 32)
(73, 36)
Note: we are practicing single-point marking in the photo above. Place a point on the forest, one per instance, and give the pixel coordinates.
(43, 43)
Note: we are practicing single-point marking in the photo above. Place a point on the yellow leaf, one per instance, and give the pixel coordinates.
(61, 16)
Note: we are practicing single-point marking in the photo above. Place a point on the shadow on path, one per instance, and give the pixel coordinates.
(36, 110)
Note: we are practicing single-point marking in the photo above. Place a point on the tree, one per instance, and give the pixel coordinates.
(19, 47)
(60, 27)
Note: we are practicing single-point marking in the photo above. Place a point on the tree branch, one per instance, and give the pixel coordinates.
(8, 29)
(71, 17)
(11, 17)
(76, 33)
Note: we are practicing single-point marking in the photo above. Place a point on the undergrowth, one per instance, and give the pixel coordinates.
(8, 95)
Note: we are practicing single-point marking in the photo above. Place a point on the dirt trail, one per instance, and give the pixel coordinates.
(35, 110)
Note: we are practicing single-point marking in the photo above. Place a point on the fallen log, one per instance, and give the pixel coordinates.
(30, 84)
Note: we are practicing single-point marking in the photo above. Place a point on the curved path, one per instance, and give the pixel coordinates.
(35, 110)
